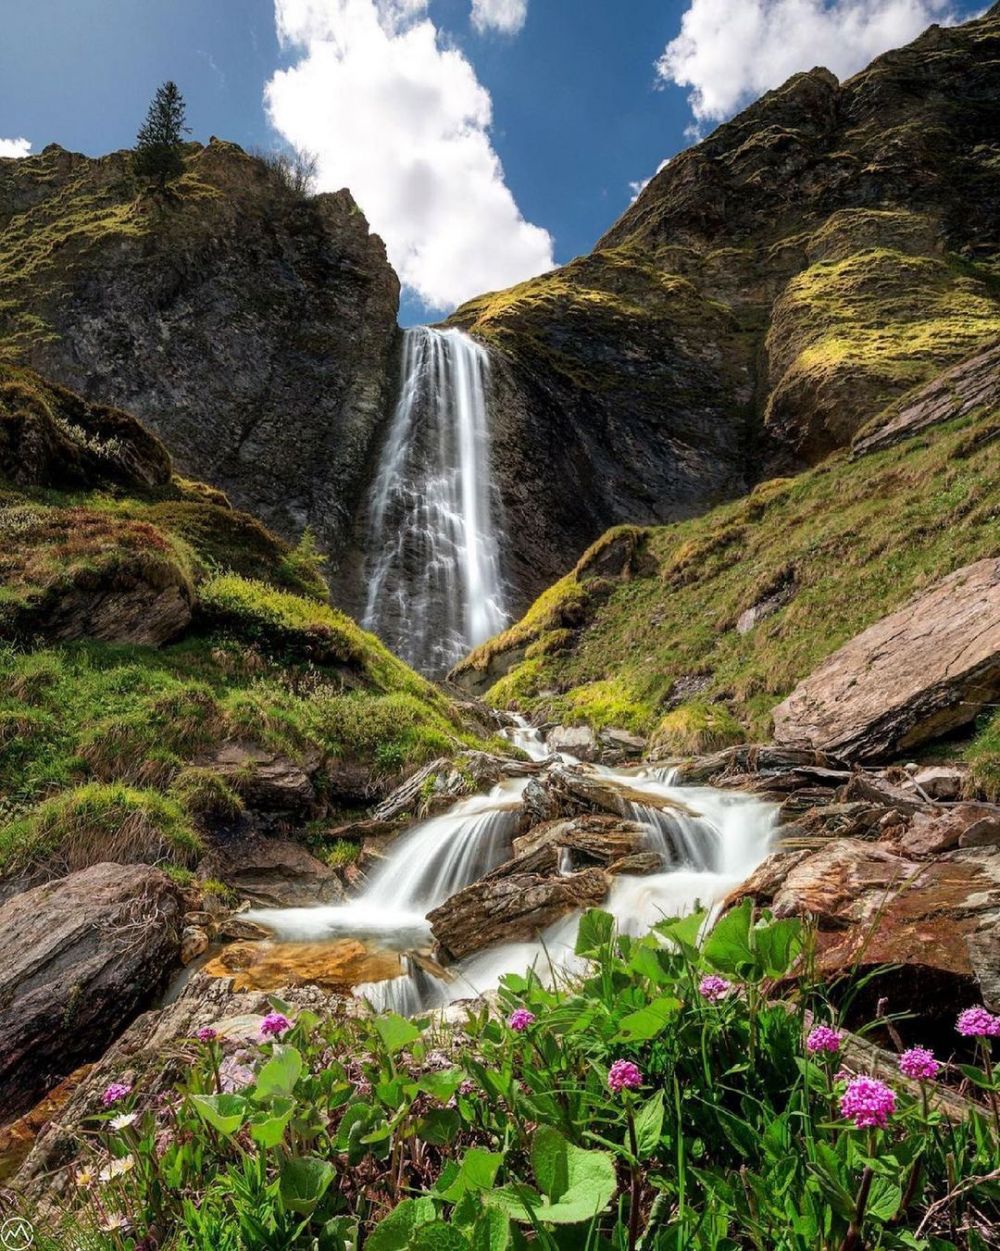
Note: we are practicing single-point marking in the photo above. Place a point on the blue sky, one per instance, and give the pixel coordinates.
(413, 102)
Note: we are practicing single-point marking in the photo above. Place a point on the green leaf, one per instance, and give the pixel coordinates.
(278, 1076)
(303, 1181)
(268, 1128)
(647, 1022)
(685, 932)
(649, 1125)
(439, 1126)
(492, 1231)
(578, 1183)
(438, 1237)
(550, 1161)
(396, 1032)
(977, 1077)
(477, 1172)
(393, 1233)
(223, 1112)
(442, 1085)
(777, 945)
(728, 945)
(884, 1198)
(596, 928)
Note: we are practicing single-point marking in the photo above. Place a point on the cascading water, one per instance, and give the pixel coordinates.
(710, 840)
(434, 583)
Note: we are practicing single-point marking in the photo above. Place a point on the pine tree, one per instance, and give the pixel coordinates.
(158, 152)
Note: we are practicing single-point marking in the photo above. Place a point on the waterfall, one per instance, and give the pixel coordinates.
(433, 571)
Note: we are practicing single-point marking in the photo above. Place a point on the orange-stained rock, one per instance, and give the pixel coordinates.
(332, 966)
(17, 1138)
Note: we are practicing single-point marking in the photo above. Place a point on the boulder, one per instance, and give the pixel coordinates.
(936, 828)
(337, 966)
(511, 907)
(593, 839)
(434, 787)
(274, 872)
(578, 741)
(267, 781)
(938, 920)
(753, 759)
(622, 741)
(939, 781)
(80, 957)
(916, 674)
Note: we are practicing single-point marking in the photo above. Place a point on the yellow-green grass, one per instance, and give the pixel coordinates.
(857, 538)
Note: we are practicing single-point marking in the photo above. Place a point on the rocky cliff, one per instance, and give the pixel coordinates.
(251, 328)
(772, 289)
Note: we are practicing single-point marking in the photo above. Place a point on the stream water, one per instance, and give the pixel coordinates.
(710, 841)
(434, 582)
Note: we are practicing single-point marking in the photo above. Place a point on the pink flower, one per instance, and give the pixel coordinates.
(520, 1019)
(714, 988)
(920, 1063)
(116, 1091)
(624, 1075)
(823, 1038)
(978, 1023)
(868, 1102)
(206, 1035)
(274, 1024)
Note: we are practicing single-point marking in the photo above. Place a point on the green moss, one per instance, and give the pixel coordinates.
(859, 538)
(203, 793)
(984, 761)
(695, 728)
(94, 823)
(341, 852)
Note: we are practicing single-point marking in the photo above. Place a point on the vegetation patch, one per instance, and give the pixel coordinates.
(695, 729)
(984, 760)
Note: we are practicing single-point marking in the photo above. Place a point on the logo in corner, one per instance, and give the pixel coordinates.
(16, 1234)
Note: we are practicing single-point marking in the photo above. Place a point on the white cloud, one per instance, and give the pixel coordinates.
(507, 16)
(15, 147)
(400, 118)
(728, 54)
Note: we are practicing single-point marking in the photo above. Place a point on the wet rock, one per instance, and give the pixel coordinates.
(856, 820)
(916, 674)
(275, 873)
(756, 760)
(337, 966)
(237, 928)
(512, 907)
(267, 781)
(580, 791)
(622, 741)
(639, 864)
(194, 943)
(596, 839)
(434, 787)
(575, 740)
(80, 957)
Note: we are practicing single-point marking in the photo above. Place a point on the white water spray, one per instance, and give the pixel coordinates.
(434, 584)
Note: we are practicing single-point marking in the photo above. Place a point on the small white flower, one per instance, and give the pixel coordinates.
(84, 1176)
(123, 1122)
(117, 1167)
(113, 1221)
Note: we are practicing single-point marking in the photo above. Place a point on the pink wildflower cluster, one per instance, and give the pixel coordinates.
(868, 1102)
(919, 1063)
(206, 1034)
(624, 1075)
(520, 1019)
(274, 1024)
(823, 1038)
(713, 988)
(115, 1092)
(978, 1023)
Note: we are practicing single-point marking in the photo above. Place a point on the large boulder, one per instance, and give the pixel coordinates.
(927, 669)
(80, 957)
(274, 873)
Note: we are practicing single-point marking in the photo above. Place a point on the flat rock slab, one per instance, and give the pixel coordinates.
(78, 959)
(916, 674)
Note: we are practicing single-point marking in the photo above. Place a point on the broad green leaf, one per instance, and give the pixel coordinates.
(884, 1198)
(268, 1128)
(728, 945)
(550, 1161)
(439, 1126)
(223, 1112)
(476, 1172)
(492, 1231)
(649, 1125)
(777, 944)
(596, 928)
(685, 932)
(393, 1233)
(438, 1237)
(396, 1032)
(278, 1076)
(303, 1181)
(647, 1022)
(442, 1085)
(578, 1183)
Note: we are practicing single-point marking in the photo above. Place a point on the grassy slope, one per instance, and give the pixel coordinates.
(858, 537)
(97, 739)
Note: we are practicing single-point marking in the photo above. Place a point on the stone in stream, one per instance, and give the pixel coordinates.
(80, 957)
(918, 673)
(334, 966)
(596, 838)
(274, 872)
(575, 740)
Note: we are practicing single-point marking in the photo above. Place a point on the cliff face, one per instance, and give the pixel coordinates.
(251, 329)
(772, 290)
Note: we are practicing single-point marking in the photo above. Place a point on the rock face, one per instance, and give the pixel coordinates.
(795, 266)
(253, 330)
(918, 673)
(81, 956)
(274, 873)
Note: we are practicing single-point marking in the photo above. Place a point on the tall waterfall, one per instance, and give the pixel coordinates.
(433, 572)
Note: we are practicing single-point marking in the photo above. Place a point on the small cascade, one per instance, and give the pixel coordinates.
(434, 583)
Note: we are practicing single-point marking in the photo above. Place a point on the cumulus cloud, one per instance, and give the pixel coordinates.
(15, 147)
(728, 54)
(507, 16)
(398, 116)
